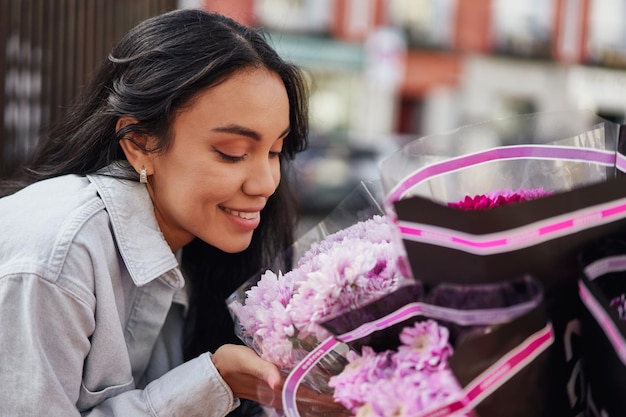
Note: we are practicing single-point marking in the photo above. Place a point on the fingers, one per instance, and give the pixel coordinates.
(274, 379)
(260, 368)
(248, 375)
(251, 377)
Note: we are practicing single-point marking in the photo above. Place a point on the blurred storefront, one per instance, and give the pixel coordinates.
(381, 71)
(385, 71)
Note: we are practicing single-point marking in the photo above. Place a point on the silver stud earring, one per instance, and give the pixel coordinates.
(143, 177)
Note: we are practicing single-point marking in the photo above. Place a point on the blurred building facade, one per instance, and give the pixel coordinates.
(385, 71)
(463, 60)
(381, 71)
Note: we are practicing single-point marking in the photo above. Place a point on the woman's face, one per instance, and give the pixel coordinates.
(223, 162)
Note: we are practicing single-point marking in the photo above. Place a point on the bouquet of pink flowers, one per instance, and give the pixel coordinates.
(402, 382)
(277, 312)
(348, 269)
(556, 191)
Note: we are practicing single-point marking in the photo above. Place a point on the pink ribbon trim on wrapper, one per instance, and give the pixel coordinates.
(297, 374)
(521, 237)
(620, 163)
(593, 271)
(490, 380)
(600, 156)
(497, 374)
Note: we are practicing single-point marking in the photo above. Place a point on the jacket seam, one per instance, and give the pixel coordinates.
(66, 238)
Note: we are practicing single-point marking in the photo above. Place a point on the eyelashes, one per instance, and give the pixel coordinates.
(239, 158)
(230, 158)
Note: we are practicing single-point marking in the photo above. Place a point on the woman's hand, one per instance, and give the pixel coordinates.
(249, 376)
(256, 379)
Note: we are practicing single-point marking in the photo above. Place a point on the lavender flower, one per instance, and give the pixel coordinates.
(378, 229)
(399, 383)
(344, 271)
(424, 348)
(265, 316)
(345, 276)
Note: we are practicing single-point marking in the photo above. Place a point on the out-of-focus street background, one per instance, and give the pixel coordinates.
(382, 71)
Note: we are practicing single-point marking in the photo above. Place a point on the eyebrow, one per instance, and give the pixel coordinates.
(244, 131)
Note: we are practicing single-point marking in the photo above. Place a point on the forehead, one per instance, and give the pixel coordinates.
(254, 98)
(237, 84)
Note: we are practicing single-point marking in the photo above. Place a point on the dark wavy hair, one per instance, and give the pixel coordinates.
(152, 73)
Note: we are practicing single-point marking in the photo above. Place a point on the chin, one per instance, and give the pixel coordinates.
(234, 247)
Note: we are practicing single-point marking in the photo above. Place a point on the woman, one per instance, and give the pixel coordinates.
(176, 152)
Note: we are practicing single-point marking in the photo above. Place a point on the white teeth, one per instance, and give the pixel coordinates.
(242, 214)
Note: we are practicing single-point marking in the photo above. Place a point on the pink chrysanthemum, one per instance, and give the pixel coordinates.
(344, 271)
(344, 277)
(399, 383)
(425, 347)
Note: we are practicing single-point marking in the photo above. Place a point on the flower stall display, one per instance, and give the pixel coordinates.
(602, 289)
(458, 294)
(400, 366)
(574, 159)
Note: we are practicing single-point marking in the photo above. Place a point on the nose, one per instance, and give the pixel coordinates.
(263, 178)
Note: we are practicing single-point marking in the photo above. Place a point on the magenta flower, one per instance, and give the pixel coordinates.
(619, 304)
(498, 198)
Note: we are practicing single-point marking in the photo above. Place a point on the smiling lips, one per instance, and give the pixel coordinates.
(246, 215)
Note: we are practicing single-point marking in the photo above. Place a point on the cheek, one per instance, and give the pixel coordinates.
(276, 174)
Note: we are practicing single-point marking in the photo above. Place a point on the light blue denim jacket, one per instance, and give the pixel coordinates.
(91, 308)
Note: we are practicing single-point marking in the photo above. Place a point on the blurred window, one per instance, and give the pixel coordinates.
(523, 28)
(606, 41)
(427, 23)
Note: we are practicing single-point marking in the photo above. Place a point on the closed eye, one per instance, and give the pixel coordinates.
(230, 158)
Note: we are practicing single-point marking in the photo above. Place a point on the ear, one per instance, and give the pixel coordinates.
(134, 146)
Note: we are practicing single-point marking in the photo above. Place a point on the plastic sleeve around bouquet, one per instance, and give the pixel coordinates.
(344, 261)
(602, 287)
(459, 350)
(572, 160)
(562, 154)
(557, 151)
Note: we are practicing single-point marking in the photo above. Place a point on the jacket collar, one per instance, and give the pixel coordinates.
(141, 243)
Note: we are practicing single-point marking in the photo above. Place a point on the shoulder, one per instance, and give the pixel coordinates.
(51, 200)
(42, 222)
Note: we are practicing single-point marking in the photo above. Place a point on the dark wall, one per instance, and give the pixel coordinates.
(49, 49)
